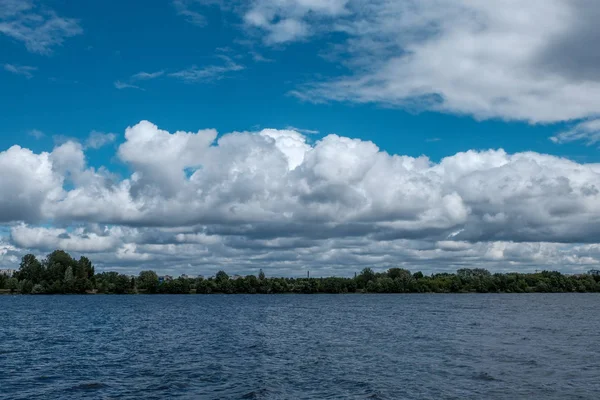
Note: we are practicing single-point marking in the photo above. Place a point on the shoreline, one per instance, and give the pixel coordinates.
(59, 273)
(3, 292)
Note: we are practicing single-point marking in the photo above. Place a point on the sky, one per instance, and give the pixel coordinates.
(189, 136)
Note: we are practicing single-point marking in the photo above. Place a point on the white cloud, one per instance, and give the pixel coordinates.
(24, 70)
(97, 140)
(185, 9)
(530, 61)
(36, 133)
(39, 28)
(587, 131)
(208, 73)
(257, 57)
(271, 199)
(140, 76)
(291, 143)
(160, 158)
(123, 85)
(304, 131)
(147, 75)
(77, 240)
(28, 181)
(289, 20)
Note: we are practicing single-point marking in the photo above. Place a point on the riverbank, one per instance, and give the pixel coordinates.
(59, 273)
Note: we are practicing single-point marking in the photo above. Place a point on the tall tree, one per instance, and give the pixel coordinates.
(148, 281)
(31, 269)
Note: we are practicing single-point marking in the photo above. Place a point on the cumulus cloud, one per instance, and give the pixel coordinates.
(77, 240)
(39, 28)
(273, 199)
(28, 181)
(9, 254)
(291, 143)
(160, 158)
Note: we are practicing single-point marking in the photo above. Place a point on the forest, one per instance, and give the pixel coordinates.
(59, 273)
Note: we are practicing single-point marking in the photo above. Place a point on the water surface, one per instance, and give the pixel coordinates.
(541, 346)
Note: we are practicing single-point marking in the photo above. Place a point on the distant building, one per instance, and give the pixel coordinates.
(236, 277)
(185, 276)
(8, 272)
(594, 272)
(165, 278)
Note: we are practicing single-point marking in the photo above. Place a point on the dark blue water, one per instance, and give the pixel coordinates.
(300, 347)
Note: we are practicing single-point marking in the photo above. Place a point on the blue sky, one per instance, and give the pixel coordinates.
(446, 80)
(72, 90)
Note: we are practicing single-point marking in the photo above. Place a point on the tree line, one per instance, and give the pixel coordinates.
(59, 273)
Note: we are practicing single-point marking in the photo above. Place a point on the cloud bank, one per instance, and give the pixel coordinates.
(274, 199)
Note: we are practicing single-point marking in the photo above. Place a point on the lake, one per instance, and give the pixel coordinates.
(429, 346)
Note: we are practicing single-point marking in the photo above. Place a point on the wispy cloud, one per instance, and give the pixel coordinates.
(183, 8)
(39, 28)
(62, 139)
(36, 133)
(143, 76)
(208, 73)
(432, 140)
(123, 85)
(257, 57)
(24, 70)
(140, 76)
(588, 132)
(305, 131)
(97, 139)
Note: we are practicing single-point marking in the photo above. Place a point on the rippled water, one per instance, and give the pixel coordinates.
(300, 347)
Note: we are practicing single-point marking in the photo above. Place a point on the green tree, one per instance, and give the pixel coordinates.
(204, 286)
(12, 284)
(252, 284)
(26, 286)
(86, 267)
(30, 269)
(56, 264)
(365, 276)
(122, 284)
(69, 280)
(69, 274)
(221, 277)
(148, 281)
